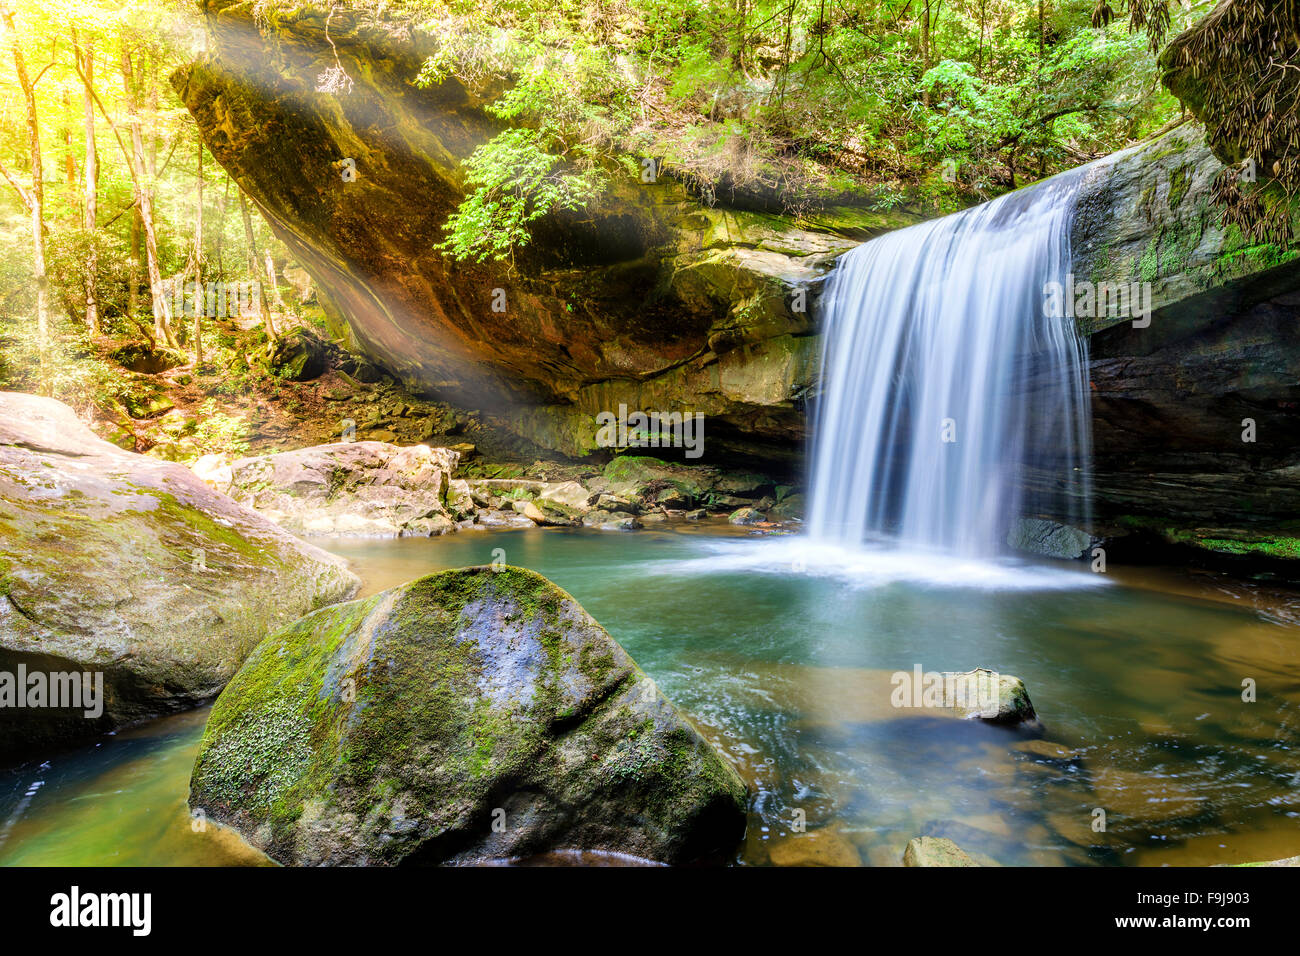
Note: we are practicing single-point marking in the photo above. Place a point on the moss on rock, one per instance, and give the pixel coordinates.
(471, 714)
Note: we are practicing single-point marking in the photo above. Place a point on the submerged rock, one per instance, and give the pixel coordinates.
(469, 715)
(119, 565)
(825, 847)
(935, 851)
(365, 488)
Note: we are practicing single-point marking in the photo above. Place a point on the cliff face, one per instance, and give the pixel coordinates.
(649, 298)
(1174, 400)
(656, 301)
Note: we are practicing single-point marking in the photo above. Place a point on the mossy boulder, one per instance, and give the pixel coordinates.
(117, 564)
(472, 714)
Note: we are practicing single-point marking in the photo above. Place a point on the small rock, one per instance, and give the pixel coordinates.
(610, 521)
(935, 851)
(567, 493)
(992, 697)
(746, 516)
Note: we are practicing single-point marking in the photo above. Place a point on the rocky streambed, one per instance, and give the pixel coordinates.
(375, 489)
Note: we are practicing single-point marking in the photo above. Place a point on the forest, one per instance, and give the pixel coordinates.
(703, 433)
(916, 105)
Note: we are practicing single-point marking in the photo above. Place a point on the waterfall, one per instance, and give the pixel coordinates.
(946, 384)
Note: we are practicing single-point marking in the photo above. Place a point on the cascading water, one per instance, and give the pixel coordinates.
(946, 382)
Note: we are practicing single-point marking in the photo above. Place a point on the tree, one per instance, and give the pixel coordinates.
(85, 62)
(33, 198)
(162, 317)
(254, 266)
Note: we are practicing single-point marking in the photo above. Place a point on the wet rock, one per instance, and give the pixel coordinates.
(1049, 539)
(935, 851)
(746, 516)
(610, 521)
(790, 508)
(116, 564)
(470, 715)
(824, 847)
(364, 488)
(992, 697)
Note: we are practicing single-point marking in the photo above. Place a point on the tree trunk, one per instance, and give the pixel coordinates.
(90, 207)
(36, 200)
(925, 51)
(200, 304)
(162, 317)
(221, 229)
(254, 266)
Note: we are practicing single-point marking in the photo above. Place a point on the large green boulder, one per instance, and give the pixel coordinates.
(472, 714)
(131, 574)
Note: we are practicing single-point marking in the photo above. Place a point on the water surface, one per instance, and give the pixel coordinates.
(781, 654)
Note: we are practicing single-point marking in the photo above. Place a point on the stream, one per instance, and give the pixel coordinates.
(770, 646)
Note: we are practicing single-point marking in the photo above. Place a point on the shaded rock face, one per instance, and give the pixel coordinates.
(648, 298)
(1171, 399)
(470, 715)
(117, 564)
(365, 488)
(1048, 538)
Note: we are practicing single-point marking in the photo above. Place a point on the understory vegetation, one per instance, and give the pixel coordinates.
(111, 204)
(793, 104)
(136, 279)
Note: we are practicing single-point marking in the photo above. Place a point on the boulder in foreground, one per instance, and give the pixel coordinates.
(472, 714)
(129, 568)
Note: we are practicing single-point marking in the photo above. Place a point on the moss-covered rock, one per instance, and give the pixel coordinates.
(117, 564)
(471, 714)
